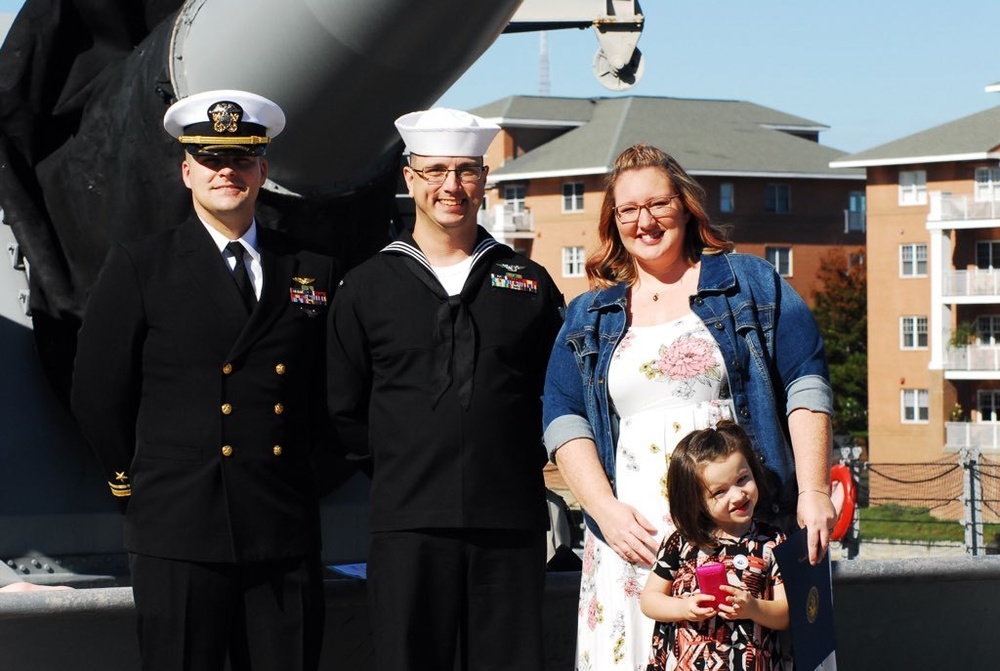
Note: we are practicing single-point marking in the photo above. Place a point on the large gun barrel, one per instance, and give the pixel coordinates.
(342, 72)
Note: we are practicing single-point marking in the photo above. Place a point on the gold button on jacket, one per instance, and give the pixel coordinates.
(227, 450)
(227, 408)
(277, 450)
(279, 408)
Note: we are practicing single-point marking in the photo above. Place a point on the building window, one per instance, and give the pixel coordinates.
(726, 197)
(913, 187)
(777, 198)
(572, 197)
(780, 258)
(913, 332)
(989, 405)
(572, 262)
(513, 197)
(857, 209)
(988, 255)
(914, 406)
(987, 184)
(988, 330)
(913, 260)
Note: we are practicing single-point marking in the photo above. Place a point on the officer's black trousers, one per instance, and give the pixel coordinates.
(192, 615)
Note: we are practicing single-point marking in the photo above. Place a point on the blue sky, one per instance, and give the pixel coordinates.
(874, 71)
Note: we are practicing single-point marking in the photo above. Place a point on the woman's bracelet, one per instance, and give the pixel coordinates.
(818, 491)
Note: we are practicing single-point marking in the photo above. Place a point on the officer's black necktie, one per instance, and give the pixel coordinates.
(241, 276)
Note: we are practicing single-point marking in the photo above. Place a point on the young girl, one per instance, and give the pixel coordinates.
(712, 486)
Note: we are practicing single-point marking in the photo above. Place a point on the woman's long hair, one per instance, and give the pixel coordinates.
(611, 263)
(686, 488)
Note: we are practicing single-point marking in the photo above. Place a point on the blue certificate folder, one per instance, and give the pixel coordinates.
(810, 604)
(356, 571)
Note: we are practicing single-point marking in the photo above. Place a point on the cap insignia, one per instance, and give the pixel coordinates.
(225, 117)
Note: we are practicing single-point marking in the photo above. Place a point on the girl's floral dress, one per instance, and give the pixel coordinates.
(718, 643)
(664, 381)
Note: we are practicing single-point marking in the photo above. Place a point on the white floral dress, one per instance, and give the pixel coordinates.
(664, 381)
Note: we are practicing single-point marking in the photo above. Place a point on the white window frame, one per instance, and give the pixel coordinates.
(573, 261)
(572, 196)
(782, 195)
(987, 185)
(988, 251)
(988, 330)
(912, 255)
(913, 330)
(727, 197)
(775, 256)
(988, 404)
(917, 403)
(912, 187)
(513, 197)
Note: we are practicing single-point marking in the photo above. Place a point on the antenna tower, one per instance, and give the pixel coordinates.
(543, 63)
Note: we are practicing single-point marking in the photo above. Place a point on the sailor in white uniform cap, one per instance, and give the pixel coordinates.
(438, 349)
(446, 132)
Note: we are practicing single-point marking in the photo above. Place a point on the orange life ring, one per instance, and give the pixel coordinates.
(842, 474)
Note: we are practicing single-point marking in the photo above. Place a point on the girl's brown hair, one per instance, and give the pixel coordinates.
(611, 263)
(685, 487)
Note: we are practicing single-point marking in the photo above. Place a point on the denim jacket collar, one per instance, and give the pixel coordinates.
(716, 276)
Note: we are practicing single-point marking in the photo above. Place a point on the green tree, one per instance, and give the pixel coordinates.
(841, 309)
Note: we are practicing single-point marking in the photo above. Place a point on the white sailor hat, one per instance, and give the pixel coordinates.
(446, 132)
(224, 121)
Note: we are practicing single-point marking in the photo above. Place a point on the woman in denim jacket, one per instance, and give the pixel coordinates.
(677, 334)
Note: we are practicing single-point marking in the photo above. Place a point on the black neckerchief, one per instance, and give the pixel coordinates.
(454, 329)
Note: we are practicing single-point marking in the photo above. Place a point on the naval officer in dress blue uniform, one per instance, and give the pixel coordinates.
(199, 383)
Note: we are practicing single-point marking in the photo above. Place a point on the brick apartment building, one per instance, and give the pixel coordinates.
(766, 175)
(933, 289)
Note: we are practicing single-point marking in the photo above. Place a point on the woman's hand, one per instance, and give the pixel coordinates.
(816, 513)
(627, 532)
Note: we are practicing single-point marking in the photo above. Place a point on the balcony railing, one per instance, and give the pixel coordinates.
(983, 435)
(971, 283)
(973, 358)
(504, 219)
(949, 207)
(854, 221)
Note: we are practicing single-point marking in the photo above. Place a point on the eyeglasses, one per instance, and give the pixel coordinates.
(657, 208)
(467, 174)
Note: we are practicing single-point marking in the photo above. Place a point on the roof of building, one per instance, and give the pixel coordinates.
(973, 137)
(707, 137)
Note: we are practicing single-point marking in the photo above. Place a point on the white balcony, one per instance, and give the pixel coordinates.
(947, 207)
(982, 435)
(982, 358)
(504, 222)
(962, 283)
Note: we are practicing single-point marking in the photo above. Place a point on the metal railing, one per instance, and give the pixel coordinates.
(945, 206)
(505, 219)
(854, 221)
(983, 436)
(971, 283)
(962, 488)
(984, 358)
